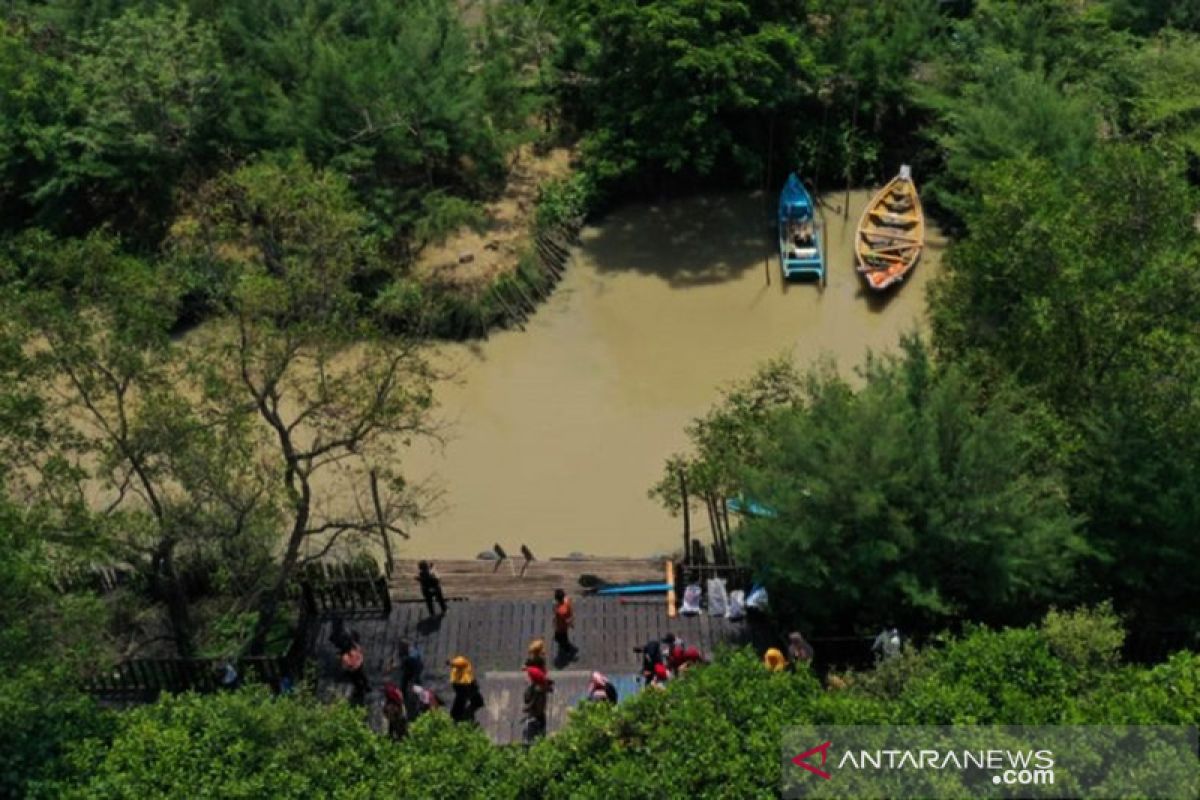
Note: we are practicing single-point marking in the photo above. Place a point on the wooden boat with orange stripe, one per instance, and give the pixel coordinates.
(891, 233)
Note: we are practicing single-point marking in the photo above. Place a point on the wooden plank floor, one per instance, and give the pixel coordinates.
(476, 579)
(494, 635)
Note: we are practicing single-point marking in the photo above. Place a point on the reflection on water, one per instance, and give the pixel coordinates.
(557, 432)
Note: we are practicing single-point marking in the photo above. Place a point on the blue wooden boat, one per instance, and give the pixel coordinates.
(800, 251)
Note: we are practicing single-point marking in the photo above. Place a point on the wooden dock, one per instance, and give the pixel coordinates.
(494, 633)
(513, 579)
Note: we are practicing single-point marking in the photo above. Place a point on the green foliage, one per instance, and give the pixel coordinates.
(45, 716)
(714, 732)
(116, 417)
(102, 128)
(148, 93)
(726, 438)
(1148, 16)
(386, 93)
(939, 503)
(1159, 100)
(564, 202)
(443, 214)
(677, 86)
(1086, 640)
(1009, 114)
(442, 759)
(131, 104)
(45, 638)
(289, 242)
(242, 744)
(34, 88)
(1062, 37)
(1077, 285)
(680, 91)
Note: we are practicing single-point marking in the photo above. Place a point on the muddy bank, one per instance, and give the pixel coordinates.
(557, 432)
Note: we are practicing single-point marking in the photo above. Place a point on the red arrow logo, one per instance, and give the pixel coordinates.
(802, 760)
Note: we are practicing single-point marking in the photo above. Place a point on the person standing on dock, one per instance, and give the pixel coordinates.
(431, 586)
(353, 660)
(652, 656)
(564, 620)
(537, 695)
(799, 652)
(601, 690)
(394, 712)
(467, 697)
(412, 667)
(535, 656)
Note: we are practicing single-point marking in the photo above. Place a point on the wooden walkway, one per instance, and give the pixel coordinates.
(494, 635)
(512, 579)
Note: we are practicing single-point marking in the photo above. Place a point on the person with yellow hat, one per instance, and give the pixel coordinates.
(467, 697)
(774, 660)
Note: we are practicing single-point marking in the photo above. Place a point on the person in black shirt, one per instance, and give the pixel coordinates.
(431, 586)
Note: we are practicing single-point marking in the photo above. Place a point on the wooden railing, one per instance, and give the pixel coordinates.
(356, 596)
(143, 679)
(322, 589)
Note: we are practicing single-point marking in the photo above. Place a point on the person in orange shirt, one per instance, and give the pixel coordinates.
(564, 620)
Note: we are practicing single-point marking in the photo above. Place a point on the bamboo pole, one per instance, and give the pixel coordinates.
(671, 610)
(687, 517)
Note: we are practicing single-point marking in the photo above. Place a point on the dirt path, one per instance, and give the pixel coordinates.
(470, 258)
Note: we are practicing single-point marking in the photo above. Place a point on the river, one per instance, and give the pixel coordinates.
(556, 433)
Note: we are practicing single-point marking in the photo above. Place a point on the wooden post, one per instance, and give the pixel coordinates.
(853, 128)
(767, 186)
(687, 517)
(671, 610)
(310, 601)
(713, 525)
(385, 595)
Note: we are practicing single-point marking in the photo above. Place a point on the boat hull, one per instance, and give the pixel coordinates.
(891, 233)
(801, 250)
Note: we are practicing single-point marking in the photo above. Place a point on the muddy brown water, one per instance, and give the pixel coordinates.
(557, 432)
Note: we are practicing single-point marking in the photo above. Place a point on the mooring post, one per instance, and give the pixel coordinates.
(687, 517)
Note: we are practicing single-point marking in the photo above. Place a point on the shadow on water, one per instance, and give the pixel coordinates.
(877, 302)
(697, 241)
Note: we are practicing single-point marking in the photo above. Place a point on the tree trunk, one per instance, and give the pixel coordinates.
(168, 586)
(269, 607)
(385, 539)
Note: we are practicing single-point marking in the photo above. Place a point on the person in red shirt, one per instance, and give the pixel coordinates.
(536, 697)
(352, 660)
(564, 620)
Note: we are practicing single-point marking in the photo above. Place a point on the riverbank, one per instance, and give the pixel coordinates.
(557, 432)
(496, 274)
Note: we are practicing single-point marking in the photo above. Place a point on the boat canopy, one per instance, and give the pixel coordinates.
(793, 200)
